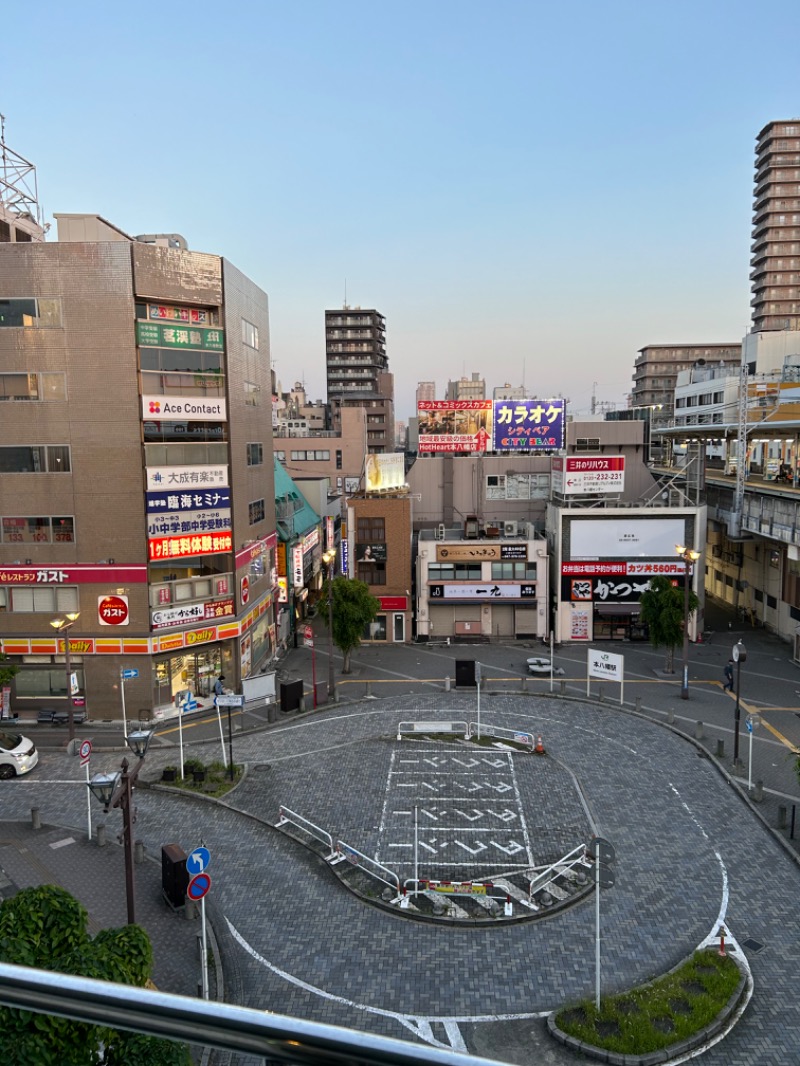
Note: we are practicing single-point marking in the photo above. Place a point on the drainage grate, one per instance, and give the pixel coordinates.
(753, 946)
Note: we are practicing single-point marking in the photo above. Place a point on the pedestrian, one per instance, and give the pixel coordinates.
(218, 687)
(728, 686)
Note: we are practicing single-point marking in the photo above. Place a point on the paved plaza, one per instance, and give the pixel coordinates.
(690, 854)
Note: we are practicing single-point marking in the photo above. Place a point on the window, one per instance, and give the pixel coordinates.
(280, 456)
(255, 454)
(376, 630)
(250, 334)
(372, 573)
(256, 512)
(36, 459)
(29, 312)
(587, 444)
(468, 572)
(371, 530)
(513, 571)
(44, 599)
(39, 683)
(441, 572)
(33, 387)
(251, 394)
(36, 530)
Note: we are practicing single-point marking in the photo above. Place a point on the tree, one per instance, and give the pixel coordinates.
(46, 927)
(354, 607)
(662, 612)
(7, 670)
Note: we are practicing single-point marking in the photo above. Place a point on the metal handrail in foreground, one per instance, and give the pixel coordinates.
(216, 1025)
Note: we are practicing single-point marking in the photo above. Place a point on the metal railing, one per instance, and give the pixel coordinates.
(429, 726)
(288, 817)
(368, 865)
(213, 1025)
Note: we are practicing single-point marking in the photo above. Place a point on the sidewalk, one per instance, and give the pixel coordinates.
(96, 877)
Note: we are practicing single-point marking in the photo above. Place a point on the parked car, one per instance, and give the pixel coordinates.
(18, 755)
(60, 716)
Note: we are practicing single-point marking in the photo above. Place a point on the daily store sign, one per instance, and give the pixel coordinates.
(578, 476)
(183, 408)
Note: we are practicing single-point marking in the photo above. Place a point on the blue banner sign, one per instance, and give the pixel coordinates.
(528, 425)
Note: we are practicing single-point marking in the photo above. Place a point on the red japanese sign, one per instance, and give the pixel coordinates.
(113, 610)
(197, 544)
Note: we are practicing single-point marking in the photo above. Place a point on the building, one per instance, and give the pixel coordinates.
(657, 367)
(426, 390)
(358, 372)
(603, 559)
(336, 454)
(378, 552)
(137, 469)
(296, 415)
(775, 260)
(473, 388)
(481, 582)
(299, 554)
(509, 392)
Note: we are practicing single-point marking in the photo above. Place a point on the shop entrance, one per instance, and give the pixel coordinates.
(195, 670)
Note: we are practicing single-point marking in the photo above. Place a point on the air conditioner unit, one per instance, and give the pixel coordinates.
(440, 531)
(510, 529)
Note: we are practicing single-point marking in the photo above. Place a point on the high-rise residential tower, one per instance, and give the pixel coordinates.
(358, 372)
(775, 260)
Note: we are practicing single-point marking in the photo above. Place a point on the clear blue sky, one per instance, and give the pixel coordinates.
(519, 187)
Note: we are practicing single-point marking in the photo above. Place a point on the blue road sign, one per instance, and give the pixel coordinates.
(198, 860)
(127, 675)
(198, 886)
(749, 724)
(189, 705)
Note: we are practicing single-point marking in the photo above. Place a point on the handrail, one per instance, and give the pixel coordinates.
(365, 863)
(217, 1025)
(290, 817)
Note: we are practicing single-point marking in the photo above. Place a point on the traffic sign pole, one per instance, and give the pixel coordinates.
(122, 697)
(204, 968)
(85, 754)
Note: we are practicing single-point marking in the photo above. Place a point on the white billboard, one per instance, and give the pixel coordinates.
(588, 475)
(621, 537)
(183, 409)
(385, 472)
(186, 477)
(606, 666)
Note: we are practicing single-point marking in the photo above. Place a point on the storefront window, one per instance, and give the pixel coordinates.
(376, 630)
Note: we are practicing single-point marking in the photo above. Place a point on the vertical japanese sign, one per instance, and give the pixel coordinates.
(528, 425)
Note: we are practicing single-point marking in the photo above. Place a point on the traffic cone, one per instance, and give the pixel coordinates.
(699, 639)
(539, 749)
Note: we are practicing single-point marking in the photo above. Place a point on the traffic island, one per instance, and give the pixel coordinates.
(660, 1021)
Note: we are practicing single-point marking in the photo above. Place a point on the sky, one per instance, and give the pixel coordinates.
(530, 191)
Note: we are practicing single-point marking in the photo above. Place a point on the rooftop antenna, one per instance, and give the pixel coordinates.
(344, 305)
(19, 194)
(523, 376)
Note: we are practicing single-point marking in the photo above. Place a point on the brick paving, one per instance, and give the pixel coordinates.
(317, 952)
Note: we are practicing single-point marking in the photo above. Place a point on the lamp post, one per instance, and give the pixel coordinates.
(739, 655)
(115, 790)
(329, 558)
(62, 625)
(688, 557)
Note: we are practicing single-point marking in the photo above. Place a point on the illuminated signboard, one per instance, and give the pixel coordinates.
(454, 425)
(528, 425)
(183, 547)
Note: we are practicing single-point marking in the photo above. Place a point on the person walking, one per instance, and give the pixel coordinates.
(728, 686)
(218, 687)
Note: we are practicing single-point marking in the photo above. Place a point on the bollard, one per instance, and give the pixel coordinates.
(368, 691)
(302, 705)
(101, 835)
(782, 813)
(670, 717)
(190, 910)
(638, 704)
(447, 684)
(336, 696)
(758, 792)
(138, 851)
(563, 687)
(720, 748)
(36, 818)
(698, 731)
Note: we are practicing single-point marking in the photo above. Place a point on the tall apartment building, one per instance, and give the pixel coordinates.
(473, 388)
(657, 366)
(136, 485)
(426, 390)
(775, 260)
(358, 372)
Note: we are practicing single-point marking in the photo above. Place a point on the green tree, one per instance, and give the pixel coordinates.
(354, 607)
(46, 927)
(7, 670)
(662, 613)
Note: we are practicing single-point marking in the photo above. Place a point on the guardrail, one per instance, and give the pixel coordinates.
(428, 726)
(575, 857)
(519, 736)
(288, 817)
(368, 865)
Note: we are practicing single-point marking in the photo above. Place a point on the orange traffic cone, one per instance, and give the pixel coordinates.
(539, 749)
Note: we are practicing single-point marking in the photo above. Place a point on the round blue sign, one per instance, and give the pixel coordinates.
(198, 886)
(198, 860)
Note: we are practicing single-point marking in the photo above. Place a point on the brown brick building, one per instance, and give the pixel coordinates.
(379, 553)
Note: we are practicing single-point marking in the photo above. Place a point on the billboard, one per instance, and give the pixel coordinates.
(528, 425)
(385, 472)
(185, 477)
(621, 537)
(183, 409)
(190, 500)
(185, 547)
(580, 476)
(454, 425)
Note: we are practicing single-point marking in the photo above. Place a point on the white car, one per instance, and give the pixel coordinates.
(18, 755)
(541, 665)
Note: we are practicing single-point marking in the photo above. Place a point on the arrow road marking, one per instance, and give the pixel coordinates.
(468, 762)
(429, 814)
(466, 788)
(512, 848)
(472, 851)
(501, 787)
(495, 762)
(433, 762)
(427, 847)
(470, 818)
(504, 816)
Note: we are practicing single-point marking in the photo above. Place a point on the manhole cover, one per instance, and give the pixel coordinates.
(260, 766)
(753, 946)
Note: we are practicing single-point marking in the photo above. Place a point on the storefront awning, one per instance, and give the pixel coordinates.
(618, 609)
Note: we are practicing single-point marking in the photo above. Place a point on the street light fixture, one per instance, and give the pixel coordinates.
(329, 559)
(689, 556)
(115, 790)
(61, 625)
(739, 655)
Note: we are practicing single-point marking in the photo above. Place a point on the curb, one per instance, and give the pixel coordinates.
(674, 1052)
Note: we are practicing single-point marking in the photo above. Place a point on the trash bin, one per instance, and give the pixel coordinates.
(291, 693)
(465, 673)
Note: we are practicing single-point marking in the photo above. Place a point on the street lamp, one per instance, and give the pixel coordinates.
(115, 790)
(739, 655)
(329, 558)
(688, 557)
(61, 625)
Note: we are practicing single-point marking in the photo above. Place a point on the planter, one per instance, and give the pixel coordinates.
(169, 774)
(198, 776)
